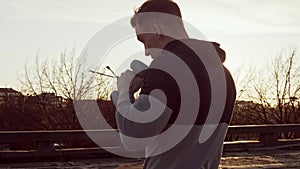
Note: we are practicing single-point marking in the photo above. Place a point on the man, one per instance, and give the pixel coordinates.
(179, 119)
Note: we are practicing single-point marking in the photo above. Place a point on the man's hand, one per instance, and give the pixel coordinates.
(135, 84)
(129, 82)
(124, 81)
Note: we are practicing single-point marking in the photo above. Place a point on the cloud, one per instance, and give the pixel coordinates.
(244, 15)
(241, 16)
(67, 10)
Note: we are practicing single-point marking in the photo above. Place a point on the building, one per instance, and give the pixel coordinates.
(50, 99)
(47, 99)
(11, 97)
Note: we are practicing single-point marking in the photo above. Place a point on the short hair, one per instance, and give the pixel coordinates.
(162, 6)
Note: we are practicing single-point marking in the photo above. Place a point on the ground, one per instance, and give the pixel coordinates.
(275, 159)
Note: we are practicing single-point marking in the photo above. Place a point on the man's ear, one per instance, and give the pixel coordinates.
(156, 27)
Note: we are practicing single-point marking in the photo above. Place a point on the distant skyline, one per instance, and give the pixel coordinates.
(251, 31)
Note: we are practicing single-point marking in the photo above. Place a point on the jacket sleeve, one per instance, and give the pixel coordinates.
(139, 123)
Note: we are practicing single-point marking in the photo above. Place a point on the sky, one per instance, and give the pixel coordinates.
(252, 32)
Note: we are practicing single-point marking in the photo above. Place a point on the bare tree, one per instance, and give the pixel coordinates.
(242, 77)
(68, 79)
(286, 85)
(277, 90)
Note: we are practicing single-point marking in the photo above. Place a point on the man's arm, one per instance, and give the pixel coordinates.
(141, 121)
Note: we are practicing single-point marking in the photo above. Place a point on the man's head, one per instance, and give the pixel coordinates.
(157, 22)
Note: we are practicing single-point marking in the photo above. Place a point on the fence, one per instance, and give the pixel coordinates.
(44, 141)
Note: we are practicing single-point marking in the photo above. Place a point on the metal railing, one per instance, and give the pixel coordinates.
(45, 141)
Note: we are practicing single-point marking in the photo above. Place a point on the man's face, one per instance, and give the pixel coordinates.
(150, 41)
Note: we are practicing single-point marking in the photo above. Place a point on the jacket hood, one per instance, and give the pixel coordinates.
(220, 51)
(173, 45)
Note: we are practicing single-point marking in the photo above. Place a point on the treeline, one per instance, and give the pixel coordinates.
(39, 116)
(251, 113)
(34, 115)
(49, 89)
(268, 96)
(272, 94)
